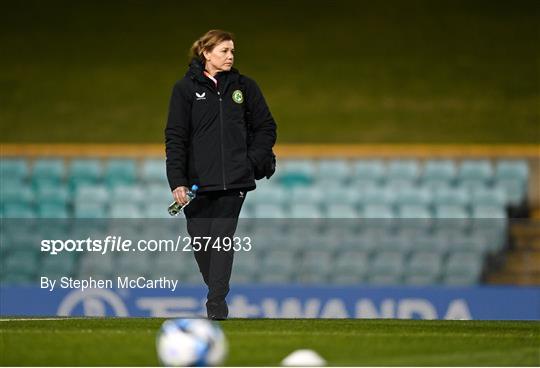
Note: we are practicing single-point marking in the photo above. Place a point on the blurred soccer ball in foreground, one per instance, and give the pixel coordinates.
(191, 342)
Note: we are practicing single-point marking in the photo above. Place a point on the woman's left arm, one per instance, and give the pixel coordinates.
(262, 124)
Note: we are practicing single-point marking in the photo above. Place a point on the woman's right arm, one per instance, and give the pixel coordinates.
(177, 134)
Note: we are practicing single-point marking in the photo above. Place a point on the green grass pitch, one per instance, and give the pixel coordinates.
(131, 342)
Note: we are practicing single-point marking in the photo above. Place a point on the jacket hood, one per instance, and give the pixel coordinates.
(196, 70)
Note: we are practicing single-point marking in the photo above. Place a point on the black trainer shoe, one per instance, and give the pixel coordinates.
(217, 311)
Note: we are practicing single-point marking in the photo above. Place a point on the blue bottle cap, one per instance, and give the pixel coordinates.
(194, 188)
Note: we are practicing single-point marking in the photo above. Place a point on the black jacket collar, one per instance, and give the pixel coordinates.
(196, 72)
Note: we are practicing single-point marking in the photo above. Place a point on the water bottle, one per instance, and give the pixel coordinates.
(175, 208)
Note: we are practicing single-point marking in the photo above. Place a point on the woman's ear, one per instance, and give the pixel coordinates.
(206, 56)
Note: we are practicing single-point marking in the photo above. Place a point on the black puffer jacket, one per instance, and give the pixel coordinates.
(206, 133)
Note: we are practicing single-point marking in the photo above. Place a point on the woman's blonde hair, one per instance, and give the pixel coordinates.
(208, 41)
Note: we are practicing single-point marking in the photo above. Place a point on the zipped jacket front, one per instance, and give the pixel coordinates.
(206, 133)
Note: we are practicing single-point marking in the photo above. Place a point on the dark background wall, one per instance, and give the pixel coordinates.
(334, 71)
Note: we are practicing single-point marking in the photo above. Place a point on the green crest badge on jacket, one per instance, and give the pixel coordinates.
(237, 96)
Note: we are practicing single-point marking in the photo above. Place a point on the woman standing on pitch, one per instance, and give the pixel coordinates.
(219, 136)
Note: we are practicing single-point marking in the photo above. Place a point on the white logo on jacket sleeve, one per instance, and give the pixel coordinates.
(200, 96)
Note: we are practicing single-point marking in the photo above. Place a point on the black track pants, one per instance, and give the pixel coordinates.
(215, 215)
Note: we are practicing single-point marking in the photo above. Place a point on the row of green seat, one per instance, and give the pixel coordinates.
(485, 235)
(94, 210)
(337, 169)
(279, 266)
(368, 178)
(271, 194)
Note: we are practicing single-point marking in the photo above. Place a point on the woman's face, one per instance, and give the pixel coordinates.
(221, 58)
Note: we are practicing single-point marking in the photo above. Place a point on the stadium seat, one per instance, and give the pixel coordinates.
(339, 211)
(514, 190)
(488, 197)
(361, 184)
(403, 170)
(171, 261)
(157, 193)
(16, 168)
(451, 218)
(438, 173)
(275, 278)
(93, 264)
(432, 242)
(327, 242)
(352, 262)
(18, 235)
(377, 196)
(296, 172)
(49, 170)
(133, 264)
(377, 211)
(53, 195)
(133, 194)
(125, 210)
(10, 183)
(391, 242)
(314, 267)
(393, 184)
(22, 262)
(421, 279)
(411, 212)
(463, 268)
(17, 194)
(364, 242)
(277, 261)
(153, 171)
(242, 275)
(52, 210)
(190, 274)
(91, 194)
(248, 262)
(369, 170)
(306, 211)
(269, 211)
(155, 210)
(346, 279)
(451, 196)
(271, 240)
(156, 273)
(335, 170)
(307, 195)
(340, 195)
(17, 279)
(512, 169)
(269, 194)
(489, 218)
(120, 172)
(350, 267)
(468, 242)
(84, 172)
(90, 210)
(475, 169)
(18, 210)
(390, 263)
(450, 211)
(486, 211)
(412, 196)
(382, 279)
(475, 174)
(423, 268)
(58, 265)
